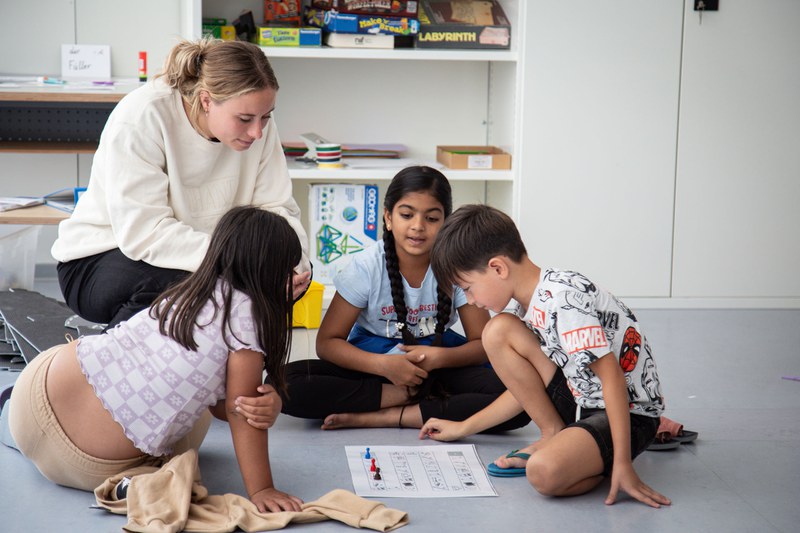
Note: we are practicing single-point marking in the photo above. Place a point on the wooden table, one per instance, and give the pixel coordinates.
(36, 215)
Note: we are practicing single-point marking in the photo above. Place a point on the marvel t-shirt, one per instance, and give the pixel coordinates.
(577, 323)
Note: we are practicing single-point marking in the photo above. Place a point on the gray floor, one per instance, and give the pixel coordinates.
(721, 371)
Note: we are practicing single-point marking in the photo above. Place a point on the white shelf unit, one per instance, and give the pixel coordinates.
(412, 54)
(420, 98)
(360, 171)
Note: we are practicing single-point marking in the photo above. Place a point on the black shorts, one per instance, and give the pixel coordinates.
(595, 421)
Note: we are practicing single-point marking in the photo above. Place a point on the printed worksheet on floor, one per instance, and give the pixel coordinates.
(439, 471)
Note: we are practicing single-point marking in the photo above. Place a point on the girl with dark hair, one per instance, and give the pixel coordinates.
(142, 391)
(388, 357)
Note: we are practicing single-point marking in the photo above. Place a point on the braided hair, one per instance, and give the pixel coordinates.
(410, 180)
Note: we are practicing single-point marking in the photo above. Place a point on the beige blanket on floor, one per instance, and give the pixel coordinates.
(172, 499)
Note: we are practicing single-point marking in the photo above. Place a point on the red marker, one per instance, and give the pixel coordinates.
(142, 66)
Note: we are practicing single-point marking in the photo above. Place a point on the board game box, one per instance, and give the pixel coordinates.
(282, 36)
(282, 11)
(344, 220)
(331, 21)
(394, 8)
(480, 24)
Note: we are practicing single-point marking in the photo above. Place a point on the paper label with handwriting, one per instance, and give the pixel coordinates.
(86, 61)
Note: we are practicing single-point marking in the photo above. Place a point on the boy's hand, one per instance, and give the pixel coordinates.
(624, 477)
(426, 356)
(442, 430)
(260, 411)
(272, 500)
(403, 370)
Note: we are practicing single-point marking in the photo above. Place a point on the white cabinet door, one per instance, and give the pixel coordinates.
(737, 224)
(598, 140)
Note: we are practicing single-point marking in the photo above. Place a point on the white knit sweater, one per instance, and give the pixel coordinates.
(158, 188)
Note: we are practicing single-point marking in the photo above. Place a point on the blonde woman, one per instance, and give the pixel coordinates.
(175, 155)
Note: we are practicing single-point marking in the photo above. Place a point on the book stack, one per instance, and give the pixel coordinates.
(8, 203)
(383, 151)
(364, 23)
(64, 199)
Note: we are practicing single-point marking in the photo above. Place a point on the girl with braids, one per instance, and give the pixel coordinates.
(138, 393)
(388, 357)
(174, 156)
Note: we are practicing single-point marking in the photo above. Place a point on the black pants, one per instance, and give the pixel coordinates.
(318, 388)
(595, 421)
(109, 288)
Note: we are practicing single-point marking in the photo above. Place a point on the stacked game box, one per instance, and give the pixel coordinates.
(466, 24)
(283, 26)
(282, 12)
(365, 23)
(390, 8)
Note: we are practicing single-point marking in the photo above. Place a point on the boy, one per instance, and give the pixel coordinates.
(586, 349)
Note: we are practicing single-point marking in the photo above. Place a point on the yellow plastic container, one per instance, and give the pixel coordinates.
(307, 312)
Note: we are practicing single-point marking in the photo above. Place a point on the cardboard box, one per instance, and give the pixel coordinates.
(307, 311)
(473, 157)
(463, 24)
(343, 220)
(285, 36)
(349, 23)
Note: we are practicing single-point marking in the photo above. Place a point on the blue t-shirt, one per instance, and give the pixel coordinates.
(364, 283)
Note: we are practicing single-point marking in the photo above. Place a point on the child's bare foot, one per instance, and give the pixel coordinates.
(374, 419)
(339, 421)
(383, 418)
(515, 461)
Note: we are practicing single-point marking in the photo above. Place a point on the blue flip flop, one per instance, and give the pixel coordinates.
(496, 471)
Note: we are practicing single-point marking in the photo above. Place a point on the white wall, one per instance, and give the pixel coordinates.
(34, 30)
(598, 142)
(31, 46)
(737, 224)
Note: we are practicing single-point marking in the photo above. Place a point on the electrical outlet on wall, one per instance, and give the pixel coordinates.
(706, 5)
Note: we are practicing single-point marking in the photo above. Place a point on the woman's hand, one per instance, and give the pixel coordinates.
(403, 370)
(272, 500)
(300, 283)
(261, 412)
(442, 430)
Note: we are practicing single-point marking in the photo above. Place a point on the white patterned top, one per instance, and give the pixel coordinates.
(155, 388)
